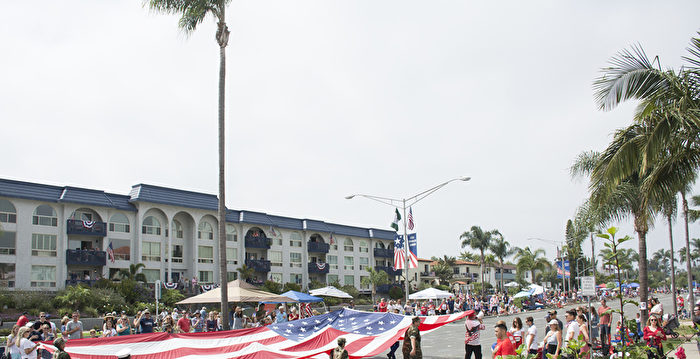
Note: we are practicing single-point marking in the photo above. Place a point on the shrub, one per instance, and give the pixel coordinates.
(32, 302)
(77, 297)
(396, 292)
(171, 296)
(6, 300)
(350, 289)
(316, 284)
(106, 300)
(444, 287)
(272, 287)
(291, 286)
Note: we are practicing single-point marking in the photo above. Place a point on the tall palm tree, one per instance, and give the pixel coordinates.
(616, 200)
(478, 239)
(669, 156)
(375, 279)
(468, 256)
(529, 260)
(669, 208)
(501, 250)
(192, 13)
(133, 273)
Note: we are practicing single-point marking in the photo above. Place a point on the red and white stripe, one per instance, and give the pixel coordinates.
(244, 343)
(399, 258)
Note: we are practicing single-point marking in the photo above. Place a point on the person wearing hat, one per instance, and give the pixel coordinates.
(124, 354)
(197, 322)
(60, 345)
(280, 315)
(339, 352)
(553, 339)
(553, 315)
(472, 343)
(531, 336)
(145, 322)
(411, 341)
(503, 344)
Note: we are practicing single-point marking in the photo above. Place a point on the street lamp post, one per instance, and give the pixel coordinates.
(404, 203)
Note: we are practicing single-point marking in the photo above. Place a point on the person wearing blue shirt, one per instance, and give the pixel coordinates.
(280, 315)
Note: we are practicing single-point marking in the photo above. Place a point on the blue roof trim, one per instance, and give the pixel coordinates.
(175, 197)
(28, 190)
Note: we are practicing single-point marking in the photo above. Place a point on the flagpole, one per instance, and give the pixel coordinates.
(405, 248)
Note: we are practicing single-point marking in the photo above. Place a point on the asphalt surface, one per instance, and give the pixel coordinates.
(448, 340)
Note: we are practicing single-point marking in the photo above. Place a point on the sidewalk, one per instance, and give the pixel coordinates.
(691, 351)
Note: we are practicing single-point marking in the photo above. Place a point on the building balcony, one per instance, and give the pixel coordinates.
(86, 228)
(318, 267)
(317, 247)
(258, 265)
(384, 288)
(506, 276)
(383, 253)
(258, 242)
(87, 282)
(389, 270)
(89, 257)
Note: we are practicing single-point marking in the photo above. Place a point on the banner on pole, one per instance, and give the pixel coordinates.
(413, 244)
(566, 273)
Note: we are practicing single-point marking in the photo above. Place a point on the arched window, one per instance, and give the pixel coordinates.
(364, 246)
(151, 225)
(119, 223)
(178, 229)
(205, 231)
(379, 245)
(348, 246)
(45, 215)
(231, 233)
(8, 213)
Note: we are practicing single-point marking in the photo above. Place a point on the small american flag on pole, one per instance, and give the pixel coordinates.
(410, 218)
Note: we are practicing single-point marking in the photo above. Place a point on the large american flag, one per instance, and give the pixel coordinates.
(367, 334)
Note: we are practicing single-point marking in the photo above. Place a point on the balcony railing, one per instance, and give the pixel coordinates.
(317, 247)
(318, 267)
(258, 265)
(86, 228)
(384, 253)
(86, 257)
(389, 270)
(384, 288)
(87, 282)
(258, 242)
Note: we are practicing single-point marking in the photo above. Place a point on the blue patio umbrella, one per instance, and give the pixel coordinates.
(300, 297)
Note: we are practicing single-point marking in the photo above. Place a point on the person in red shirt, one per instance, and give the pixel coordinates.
(22, 320)
(382, 305)
(503, 344)
(184, 323)
(654, 336)
(423, 309)
(293, 314)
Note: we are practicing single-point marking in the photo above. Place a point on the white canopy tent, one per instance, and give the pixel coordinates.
(430, 293)
(512, 284)
(536, 289)
(330, 291)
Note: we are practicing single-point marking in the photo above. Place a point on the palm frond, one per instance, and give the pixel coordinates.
(694, 50)
(584, 164)
(631, 75)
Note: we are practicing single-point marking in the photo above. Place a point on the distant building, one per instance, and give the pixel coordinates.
(54, 236)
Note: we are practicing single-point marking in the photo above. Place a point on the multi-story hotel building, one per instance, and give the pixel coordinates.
(53, 236)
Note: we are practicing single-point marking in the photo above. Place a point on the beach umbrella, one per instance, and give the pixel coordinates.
(238, 291)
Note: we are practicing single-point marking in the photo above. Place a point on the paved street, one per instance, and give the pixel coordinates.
(448, 341)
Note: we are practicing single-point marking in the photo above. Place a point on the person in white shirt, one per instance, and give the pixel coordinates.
(472, 343)
(531, 336)
(572, 327)
(27, 348)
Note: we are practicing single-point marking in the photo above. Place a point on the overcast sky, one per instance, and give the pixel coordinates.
(327, 98)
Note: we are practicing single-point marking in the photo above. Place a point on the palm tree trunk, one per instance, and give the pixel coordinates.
(222, 38)
(691, 289)
(673, 266)
(482, 272)
(643, 275)
(502, 287)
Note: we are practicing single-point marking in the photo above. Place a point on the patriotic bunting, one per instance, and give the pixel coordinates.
(170, 285)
